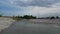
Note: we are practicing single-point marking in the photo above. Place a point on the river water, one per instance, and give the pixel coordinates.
(22, 27)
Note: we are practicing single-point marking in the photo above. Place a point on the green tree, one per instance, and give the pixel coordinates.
(29, 17)
(52, 17)
(57, 17)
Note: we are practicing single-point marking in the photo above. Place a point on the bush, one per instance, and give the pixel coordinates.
(57, 17)
(29, 17)
(52, 17)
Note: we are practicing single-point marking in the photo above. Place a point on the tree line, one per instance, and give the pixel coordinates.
(34, 17)
(26, 17)
(52, 17)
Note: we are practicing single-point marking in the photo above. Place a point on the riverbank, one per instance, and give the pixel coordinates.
(44, 21)
(5, 22)
(32, 27)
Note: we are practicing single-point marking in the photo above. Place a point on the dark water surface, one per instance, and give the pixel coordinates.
(30, 28)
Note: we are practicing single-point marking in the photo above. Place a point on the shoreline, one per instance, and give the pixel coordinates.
(5, 22)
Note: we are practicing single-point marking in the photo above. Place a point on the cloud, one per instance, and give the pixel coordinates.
(41, 3)
(44, 11)
(7, 8)
(30, 7)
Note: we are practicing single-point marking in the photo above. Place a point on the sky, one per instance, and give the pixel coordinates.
(39, 8)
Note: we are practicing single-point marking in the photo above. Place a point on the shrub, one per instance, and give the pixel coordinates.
(52, 17)
(57, 17)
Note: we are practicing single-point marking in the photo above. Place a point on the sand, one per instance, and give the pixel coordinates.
(5, 22)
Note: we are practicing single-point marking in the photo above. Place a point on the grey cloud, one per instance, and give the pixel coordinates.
(42, 3)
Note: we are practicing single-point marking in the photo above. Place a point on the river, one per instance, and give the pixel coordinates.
(23, 27)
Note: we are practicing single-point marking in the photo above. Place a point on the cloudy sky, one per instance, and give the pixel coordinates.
(30, 7)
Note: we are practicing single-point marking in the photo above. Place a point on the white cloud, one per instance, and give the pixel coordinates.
(43, 11)
(41, 3)
(34, 7)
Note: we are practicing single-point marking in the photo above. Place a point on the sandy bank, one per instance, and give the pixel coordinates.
(5, 22)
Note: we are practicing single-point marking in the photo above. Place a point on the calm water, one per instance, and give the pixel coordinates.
(30, 28)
